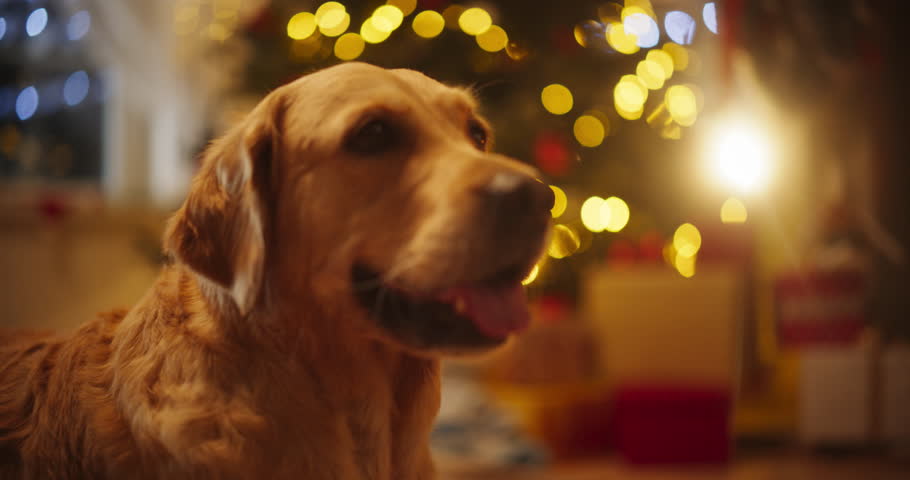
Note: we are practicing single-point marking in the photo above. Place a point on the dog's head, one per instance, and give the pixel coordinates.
(369, 198)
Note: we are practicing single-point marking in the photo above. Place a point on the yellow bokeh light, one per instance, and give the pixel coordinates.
(369, 33)
(302, 25)
(589, 131)
(349, 46)
(630, 94)
(532, 275)
(590, 214)
(614, 214)
(685, 265)
(687, 240)
(493, 40)
(451, 15)
(682, 104)
(557, 99)
(334, 23)
(406, 6)
(428, 24)
(560, 201)
(475, 21)
(563, 243)
(640, 5)
(326, 8)
(678, 54)
(664, 60)
(733, 211)
(651, 74)
(516, 51)
(671, 132)
(620, 40)
(387, 18)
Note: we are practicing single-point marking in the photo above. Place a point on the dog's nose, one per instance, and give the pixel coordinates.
(515, 193)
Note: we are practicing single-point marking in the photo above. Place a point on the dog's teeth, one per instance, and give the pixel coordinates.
(460, 306)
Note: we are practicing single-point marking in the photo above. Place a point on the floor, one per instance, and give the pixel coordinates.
(768, 467)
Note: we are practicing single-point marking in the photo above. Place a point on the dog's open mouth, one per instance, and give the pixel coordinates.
(479, 314)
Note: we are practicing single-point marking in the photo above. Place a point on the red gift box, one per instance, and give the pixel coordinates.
(661, 425)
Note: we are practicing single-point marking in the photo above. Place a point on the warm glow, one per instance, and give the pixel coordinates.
(564, 242)
(682, 104)
(428, 24)
(370, 34)
(740, 156)
(687, 240)
(590, 214)
(326, 8)
(560, 201)
(532, 275)
(387, 18)
(651, 74)
(451, 15)
(349, 46)
(664, 60)
(302, 25)
(334, 23)
(733, 211)
(557, 99)
(589, 131)
(679, 54)
(493, 40)
(475, 21)
(406, 6)
(614, 214)
(620, 40)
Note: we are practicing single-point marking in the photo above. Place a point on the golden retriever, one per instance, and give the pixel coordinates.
(352, 229)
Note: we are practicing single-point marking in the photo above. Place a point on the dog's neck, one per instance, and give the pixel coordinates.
(367, 397)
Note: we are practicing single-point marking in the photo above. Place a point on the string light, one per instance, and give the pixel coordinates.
(36, 22)
(614, 214)
(387, 18)
(493, 40)
(709, 14)
(349, 46)
(428, 24)
(590, 214)
(475, 21)
(651, 74)
(687, 240)
(27, 103)
(560, 201)
(664, 60)
(680, 27)
(620, 40)
(370, 34)
(556, 99)
(301, 25)
(682, 104)
(679, 54)
(589, 131)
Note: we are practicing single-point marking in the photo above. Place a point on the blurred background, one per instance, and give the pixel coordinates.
(726, 291)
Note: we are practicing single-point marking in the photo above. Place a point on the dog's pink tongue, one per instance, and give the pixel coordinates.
(496, 312)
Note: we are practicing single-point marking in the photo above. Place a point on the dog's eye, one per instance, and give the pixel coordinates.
(373, 137)
(478, 135)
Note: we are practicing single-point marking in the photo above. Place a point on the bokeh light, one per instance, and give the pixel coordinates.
(651, 74)
(564, 242)
(301, 25)
(740, 156)
(370, 34)
(349, 46)
(682, 104)
(560, 201)
(687, 240)
(78, 25)
(75, 89)
(2, 28)
(664, 60)
(516, 51)
(428, 24)
(590, 214)
(406, 6)
(556, 99)
(614, 214)
(620, 40)
(36, 22)
(629, 97)
(643, 27)
(325, 9)
(334, 23)
(27, 103)
(685, 265)
(733, 211)
(680, 27)
(589, 131)
(709, 14)
(493, 40)
(387, 18)
(679, 54)
(475, 21)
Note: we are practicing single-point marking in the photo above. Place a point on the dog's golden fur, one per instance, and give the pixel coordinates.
(247, 358)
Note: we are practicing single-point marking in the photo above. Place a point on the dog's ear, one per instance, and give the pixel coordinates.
(220, 230)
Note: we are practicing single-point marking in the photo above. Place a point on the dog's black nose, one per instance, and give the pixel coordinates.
(515, 194)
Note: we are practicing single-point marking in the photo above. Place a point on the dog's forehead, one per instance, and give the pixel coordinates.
(356, 82)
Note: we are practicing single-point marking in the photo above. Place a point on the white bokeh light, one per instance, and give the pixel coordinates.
(680, 27)
(36, 22)
(27, 103)
(78, 25)
(76, 88)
